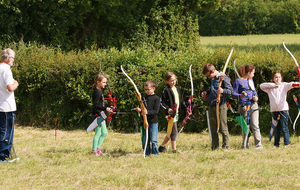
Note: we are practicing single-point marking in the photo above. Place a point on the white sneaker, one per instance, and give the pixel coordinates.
(275, 147)
(259, 147)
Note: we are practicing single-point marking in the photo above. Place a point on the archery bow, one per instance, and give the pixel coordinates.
(220, 83)
(111, 99)
(143, 108)
(298, 71)
(248, 104)
(189, 108)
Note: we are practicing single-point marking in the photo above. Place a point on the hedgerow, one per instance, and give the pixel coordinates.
(58, 85)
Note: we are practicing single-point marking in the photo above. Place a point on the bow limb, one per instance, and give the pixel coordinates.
(220, 83)
(189, 109)
(237, 73)
(143, 108)
(294, 125)
(139, 97)
(298, 71)
(111, 99)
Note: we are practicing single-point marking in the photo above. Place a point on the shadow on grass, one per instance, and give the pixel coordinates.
(65, 151)
(120, 152)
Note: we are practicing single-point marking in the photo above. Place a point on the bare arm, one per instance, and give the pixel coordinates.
(13, 87)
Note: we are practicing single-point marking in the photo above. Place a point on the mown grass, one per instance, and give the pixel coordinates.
(66, 163)
(253, 42)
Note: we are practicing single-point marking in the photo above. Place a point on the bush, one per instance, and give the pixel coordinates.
(57, 85)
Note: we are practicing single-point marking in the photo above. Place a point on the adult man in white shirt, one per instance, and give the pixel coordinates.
(7, 103)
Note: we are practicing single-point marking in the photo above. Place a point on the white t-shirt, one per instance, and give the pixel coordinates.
(7, 98)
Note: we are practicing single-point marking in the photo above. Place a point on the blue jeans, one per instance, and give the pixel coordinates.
(6, 133)
(282, 124)
(152, 137)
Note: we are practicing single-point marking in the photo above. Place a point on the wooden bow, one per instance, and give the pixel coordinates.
(143, 108)
(220, 83)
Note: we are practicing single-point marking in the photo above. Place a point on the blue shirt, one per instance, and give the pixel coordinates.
(249, 89)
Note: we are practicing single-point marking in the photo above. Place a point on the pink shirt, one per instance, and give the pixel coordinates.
(277, 96)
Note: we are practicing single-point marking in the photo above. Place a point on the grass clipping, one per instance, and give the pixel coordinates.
(66, 163)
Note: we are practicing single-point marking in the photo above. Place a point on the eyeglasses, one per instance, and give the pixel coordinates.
(13, 57)
(148, 89)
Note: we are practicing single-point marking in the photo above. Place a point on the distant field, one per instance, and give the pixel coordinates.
(254, 42)
(252, 39)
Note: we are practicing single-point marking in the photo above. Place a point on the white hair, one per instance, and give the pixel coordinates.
(7, 53)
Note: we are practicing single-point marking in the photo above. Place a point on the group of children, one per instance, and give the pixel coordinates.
(172, 101)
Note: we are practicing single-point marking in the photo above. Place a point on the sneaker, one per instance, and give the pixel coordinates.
(225, 149)
(99, 151)
(162, 149)
(275, 147)
(95, 153)
(3, 161)
(175, 151)
(258, 147)
(13, 160)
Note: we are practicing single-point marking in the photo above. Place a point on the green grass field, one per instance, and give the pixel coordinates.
(253, 42)
(66, 163)
(273, 39)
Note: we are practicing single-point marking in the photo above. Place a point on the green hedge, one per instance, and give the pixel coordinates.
(58, 85)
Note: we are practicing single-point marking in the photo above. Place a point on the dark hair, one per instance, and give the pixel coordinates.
(150, 83)
(208, 68)
(277, 72)
(99, 78)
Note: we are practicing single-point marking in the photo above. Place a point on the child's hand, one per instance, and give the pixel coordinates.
(276, 85)
(109, 109)
(244, 94)
(255, 98)
(203, 94)
(145, 111)
(138, 109)
(220, 90)
(170, 111)
(189, 113)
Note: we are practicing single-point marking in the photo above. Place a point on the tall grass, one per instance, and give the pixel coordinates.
(66, 163)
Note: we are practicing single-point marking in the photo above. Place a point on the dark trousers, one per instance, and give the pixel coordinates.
(6, 133)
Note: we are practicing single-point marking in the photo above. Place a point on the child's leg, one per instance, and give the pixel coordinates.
(224, 127)
(174, 135)
(166, 140)
(153, 133)
(254, 121)
(277, 129)
(284, 125)
(243, 110)
(96, 137)
(213, 127)
(103, 134)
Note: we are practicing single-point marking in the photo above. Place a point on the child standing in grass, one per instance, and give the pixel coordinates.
(171, 102)
(98, 106)
(248, 97)
(152, 103)
(212, 94)
(277, 93)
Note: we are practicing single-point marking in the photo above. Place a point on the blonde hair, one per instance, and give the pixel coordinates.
(99, 78)
(168, 75)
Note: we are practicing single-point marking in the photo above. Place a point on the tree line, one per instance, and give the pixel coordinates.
(164, 24)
